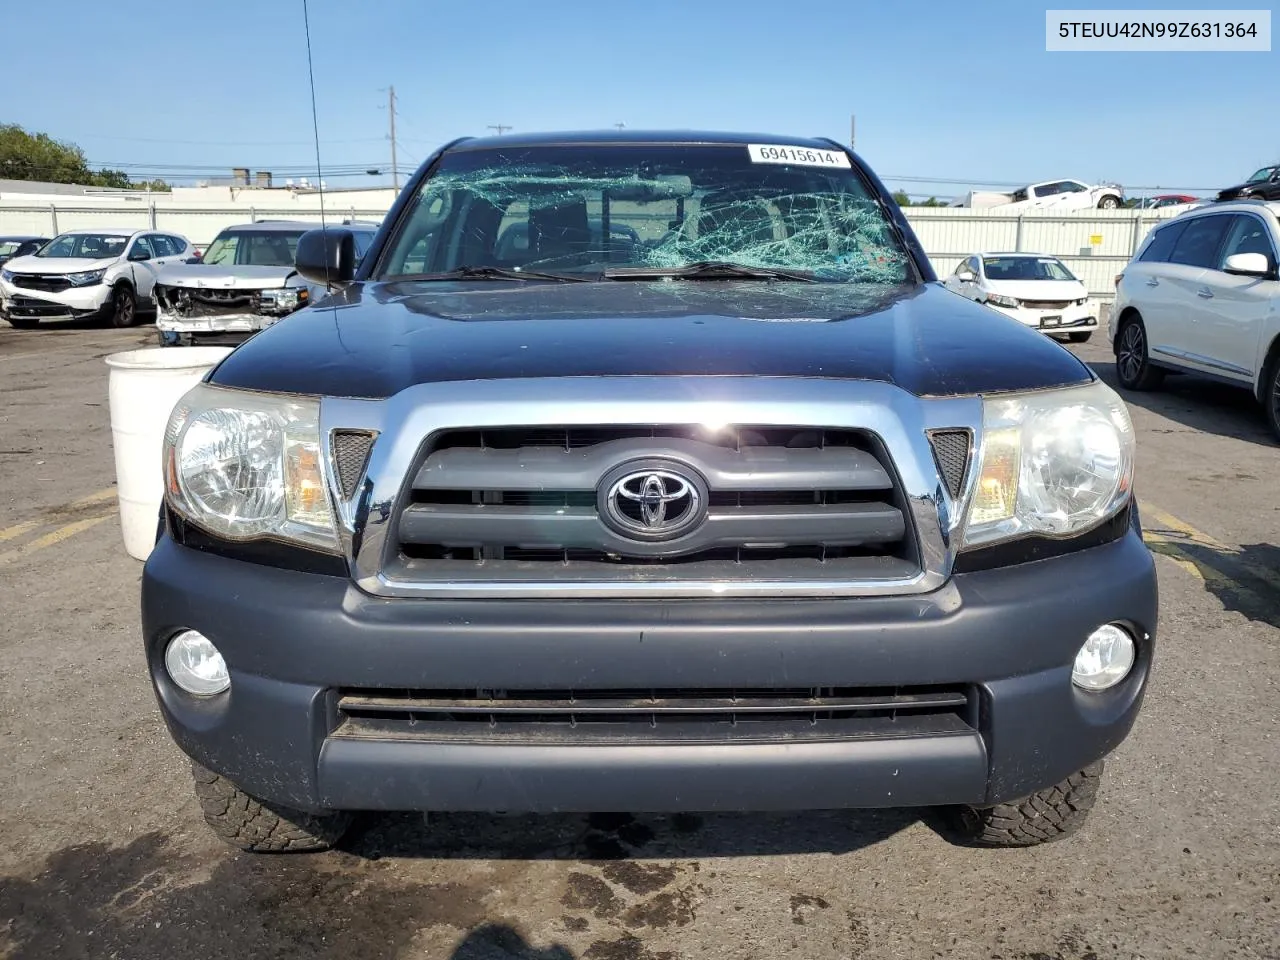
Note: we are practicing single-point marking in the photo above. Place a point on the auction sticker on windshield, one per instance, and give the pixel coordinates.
(806, 156)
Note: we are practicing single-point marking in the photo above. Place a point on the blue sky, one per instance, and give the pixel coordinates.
(939, 89)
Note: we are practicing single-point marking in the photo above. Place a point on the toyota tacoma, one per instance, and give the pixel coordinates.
(648, 472)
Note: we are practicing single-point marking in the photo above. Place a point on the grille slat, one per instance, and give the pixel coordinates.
(481, 525)
(540, 468)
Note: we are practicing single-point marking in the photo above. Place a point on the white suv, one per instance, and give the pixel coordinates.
(1202, 296)
(89, 274)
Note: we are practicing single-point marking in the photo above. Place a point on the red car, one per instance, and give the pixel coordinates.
(1166, 200)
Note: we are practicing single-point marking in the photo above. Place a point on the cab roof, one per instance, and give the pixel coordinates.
(609, 137)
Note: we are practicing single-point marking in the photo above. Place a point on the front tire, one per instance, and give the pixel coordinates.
(1133, 364)
(1108, 203)
(23, 323)
(258, 827)
(124, 307)
(1047, 815)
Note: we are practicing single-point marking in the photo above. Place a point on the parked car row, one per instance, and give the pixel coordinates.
(242, 283)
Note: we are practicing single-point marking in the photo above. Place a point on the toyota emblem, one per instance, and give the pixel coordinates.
(653, 502)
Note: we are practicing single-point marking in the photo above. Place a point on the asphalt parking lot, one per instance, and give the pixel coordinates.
(103, 852)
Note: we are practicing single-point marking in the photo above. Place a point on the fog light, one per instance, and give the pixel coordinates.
(1105, 659)
(195, 664)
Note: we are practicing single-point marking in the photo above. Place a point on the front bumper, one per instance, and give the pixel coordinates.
(1054, 320)
(291, 640)
(74, 303)
(228, 323)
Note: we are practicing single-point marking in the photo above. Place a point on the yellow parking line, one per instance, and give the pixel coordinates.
(9, 533)
(1231, 554)
(53, 537)
(107, 494)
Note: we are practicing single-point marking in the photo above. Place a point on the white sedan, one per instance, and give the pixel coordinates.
(1034, 289)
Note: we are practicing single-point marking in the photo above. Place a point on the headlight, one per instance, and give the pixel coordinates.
(1000, 300)
(285, 300)
(245, 466)
(6, 275)
(87, 278)
(1054, 463)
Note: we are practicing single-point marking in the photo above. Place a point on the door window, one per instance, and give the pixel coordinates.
(162, 246)
(1247, 235)
(1200, 241)
(1162, 241)
(142, 245)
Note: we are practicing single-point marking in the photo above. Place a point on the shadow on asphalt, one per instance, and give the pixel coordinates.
(155, 898)
(1198, 404)
(624, 836)
(496, 941)
(1229, 577)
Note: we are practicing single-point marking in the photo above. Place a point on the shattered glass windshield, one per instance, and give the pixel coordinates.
(597, 210)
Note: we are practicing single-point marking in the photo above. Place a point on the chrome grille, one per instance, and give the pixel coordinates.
(1046, 304)
(51, 283)
(525, 504)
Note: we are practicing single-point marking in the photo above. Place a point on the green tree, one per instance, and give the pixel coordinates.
(933, 202)
(112, 178)
(37, 156)
(901, 199)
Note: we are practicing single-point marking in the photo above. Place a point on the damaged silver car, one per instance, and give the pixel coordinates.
(244, 282)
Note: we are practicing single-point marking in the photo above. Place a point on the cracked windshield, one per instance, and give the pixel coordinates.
(647, 211)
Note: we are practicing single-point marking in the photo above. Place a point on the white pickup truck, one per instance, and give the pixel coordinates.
(1059, 194)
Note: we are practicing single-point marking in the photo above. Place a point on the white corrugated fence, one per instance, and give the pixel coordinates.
(1094, 244)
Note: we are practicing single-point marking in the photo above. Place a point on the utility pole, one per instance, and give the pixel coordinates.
(501, 128)
(619, 125)
(391, 113)
(853, 131)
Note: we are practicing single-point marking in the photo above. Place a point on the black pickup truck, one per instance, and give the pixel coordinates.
(648, 472)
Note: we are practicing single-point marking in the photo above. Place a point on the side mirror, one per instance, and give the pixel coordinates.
(1248, 265)
(326, 256)
(139, 255)
(965, 277)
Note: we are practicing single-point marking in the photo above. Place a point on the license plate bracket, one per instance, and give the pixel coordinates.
(1052, 321)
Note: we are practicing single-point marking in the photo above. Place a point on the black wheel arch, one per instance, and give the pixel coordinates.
(1267, 372)
(1127, 315)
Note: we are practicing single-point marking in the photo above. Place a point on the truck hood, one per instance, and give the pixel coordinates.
(375, 339)
(56, 265)
(224, 277)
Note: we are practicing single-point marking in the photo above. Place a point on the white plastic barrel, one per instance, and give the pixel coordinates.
(143, 388)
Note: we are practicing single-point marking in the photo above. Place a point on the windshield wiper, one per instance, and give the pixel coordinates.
(708, 270)
(494, 273)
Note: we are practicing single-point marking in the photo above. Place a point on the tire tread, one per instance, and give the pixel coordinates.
(258, 827)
